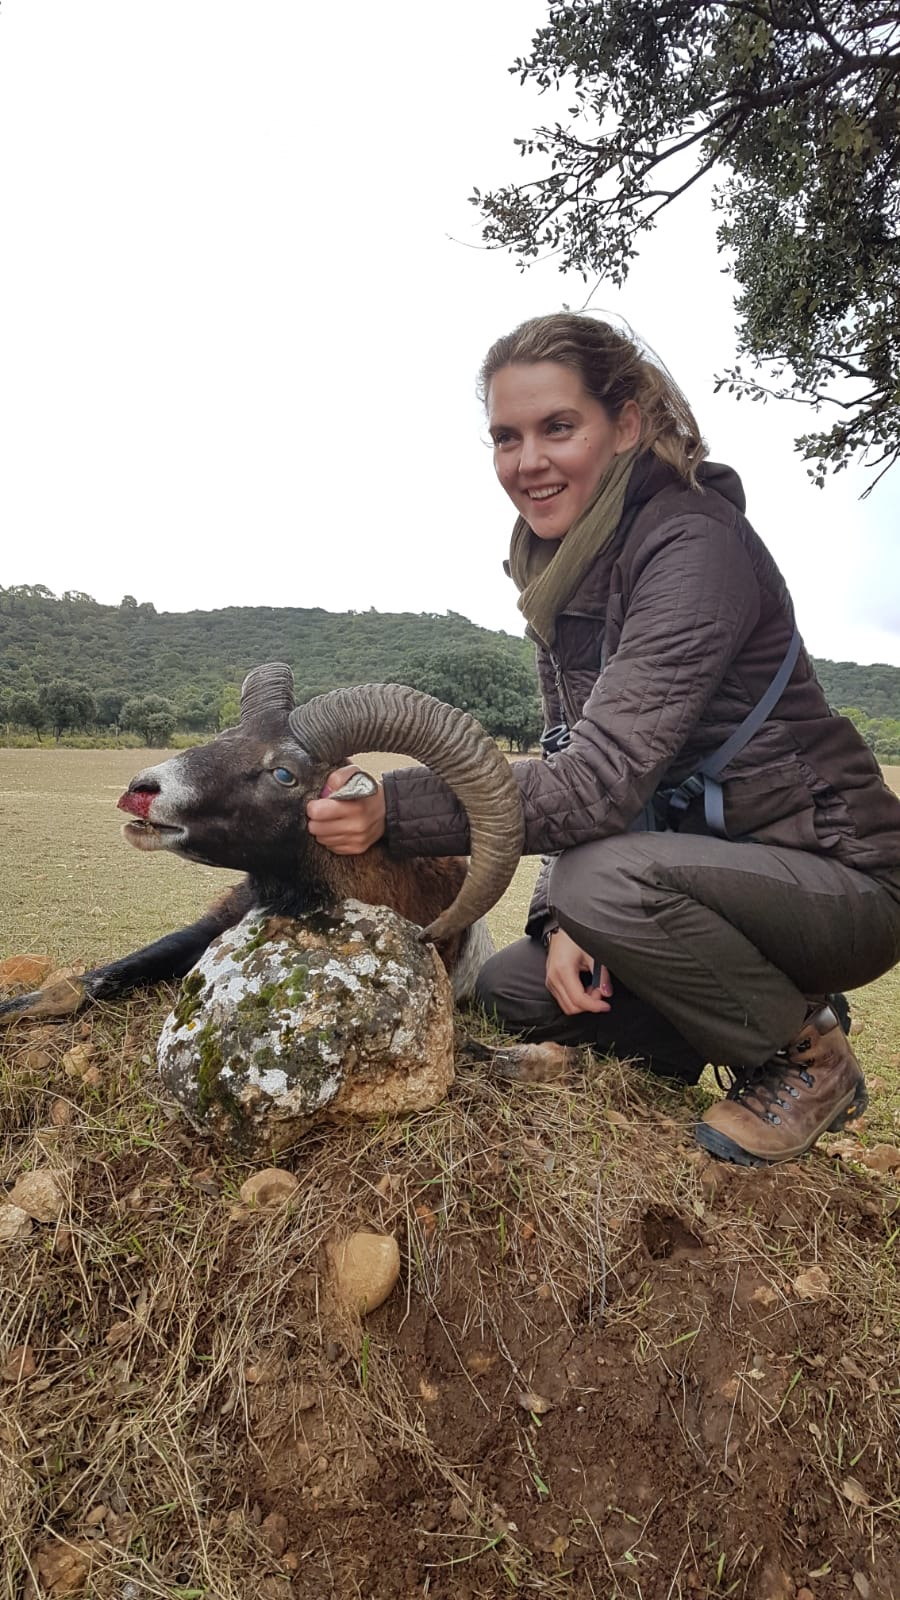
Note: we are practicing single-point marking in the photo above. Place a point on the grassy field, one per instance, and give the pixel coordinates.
(76, 891)
(611, 1367)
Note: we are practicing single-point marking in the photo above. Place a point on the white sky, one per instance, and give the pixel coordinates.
(242, 308)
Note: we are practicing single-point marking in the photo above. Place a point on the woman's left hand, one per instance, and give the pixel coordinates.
(346, 827)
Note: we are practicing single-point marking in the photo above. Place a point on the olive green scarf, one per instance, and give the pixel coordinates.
(548, 571)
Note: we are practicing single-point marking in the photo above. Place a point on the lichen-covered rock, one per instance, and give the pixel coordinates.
(287, 1023)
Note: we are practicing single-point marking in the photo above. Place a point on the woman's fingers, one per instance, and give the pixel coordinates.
(346, 827)
(566, 963)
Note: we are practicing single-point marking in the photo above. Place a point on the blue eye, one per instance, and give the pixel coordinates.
(281, 775)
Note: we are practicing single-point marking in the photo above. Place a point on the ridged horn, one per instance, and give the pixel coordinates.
(391, 716)
(267, 693)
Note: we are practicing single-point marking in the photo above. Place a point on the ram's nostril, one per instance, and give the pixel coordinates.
(143, 786)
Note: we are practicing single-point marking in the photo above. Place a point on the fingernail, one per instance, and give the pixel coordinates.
(324, 793)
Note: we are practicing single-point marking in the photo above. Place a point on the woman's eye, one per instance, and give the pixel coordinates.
(281, 775)
(502, 439)
(558, 427)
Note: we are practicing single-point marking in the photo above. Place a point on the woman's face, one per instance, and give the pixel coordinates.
(553, 442)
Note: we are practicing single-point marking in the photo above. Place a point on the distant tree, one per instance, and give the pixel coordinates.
(109, 707)
(794, 106)
(152, 716)
(67, 705)
(26, 710)
(197, 712)
(229, 709)
(493, 682)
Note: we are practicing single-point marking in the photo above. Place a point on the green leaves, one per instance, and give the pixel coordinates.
(796, 110)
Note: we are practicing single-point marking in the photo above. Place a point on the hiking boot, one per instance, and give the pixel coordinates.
(776, 1112)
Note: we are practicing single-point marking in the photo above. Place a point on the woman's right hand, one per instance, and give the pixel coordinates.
(566, 962)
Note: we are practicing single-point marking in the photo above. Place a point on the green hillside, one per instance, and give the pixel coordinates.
(192, 662)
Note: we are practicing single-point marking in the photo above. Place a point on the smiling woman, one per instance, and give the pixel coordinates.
(723, 852)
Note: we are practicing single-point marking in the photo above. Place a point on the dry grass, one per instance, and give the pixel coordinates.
(191, 1373)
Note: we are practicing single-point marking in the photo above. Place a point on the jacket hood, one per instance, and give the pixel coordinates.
(650, 475)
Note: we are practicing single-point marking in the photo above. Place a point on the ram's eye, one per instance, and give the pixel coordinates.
(281, 775)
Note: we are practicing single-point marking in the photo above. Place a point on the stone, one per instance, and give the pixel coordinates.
(15, 1224)
(287, 1024)
(365, 1268)
(274, 1532)
(39, 1193)
(19, 1364)
(812, 1284)
(269, 1189)
(28, 970)
(62, 1568)
(881, 1158)
(537, 1404)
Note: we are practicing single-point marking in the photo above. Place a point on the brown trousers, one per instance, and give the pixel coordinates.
(714, 947)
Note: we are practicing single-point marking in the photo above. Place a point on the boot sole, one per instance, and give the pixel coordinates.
(724, 1149)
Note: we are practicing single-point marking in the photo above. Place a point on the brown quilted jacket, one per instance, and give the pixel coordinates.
(669, 642)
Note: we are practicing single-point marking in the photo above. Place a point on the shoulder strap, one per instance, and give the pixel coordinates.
(706, 776)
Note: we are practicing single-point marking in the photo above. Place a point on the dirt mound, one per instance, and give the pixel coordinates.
(610, 1366)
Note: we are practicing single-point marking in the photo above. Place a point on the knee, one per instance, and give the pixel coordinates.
(598, 880)
(510, 986)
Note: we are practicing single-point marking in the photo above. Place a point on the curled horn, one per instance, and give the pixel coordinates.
(390, 716)
(267, 693)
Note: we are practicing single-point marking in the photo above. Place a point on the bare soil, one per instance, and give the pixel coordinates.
(610, 1368)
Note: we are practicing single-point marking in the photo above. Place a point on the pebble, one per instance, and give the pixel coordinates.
(19, 1364)
(39, 1193)
(24, 969)
(15, 1224)
(366, 1267)
(812, 1284)
(270, 1188)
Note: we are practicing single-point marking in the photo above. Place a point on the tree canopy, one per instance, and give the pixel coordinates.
(794, 107)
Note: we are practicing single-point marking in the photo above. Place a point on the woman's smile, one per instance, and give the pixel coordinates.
(552, 442)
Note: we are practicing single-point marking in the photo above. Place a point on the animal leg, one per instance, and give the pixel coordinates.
(167, 958)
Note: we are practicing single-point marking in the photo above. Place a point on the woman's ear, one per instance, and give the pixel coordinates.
(628, 426)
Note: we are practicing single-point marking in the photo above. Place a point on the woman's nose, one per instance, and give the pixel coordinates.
(532, 455)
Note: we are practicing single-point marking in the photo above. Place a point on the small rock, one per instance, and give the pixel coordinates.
(765, 1296)
(457, 1510)
(290, 1561)
(270, 1188)
(92, 1077)
(77, 1061)
(535, 1403)
(15, 1224)
(37, 1060)
(39, 1193)
(805, 1594)
(19, 1364)
(263, 1371)
(428, 1391)
(862, 1585)
(366, 1267)
(274, 1531)
(28, 970)
(813, 1283)
(61, 1113)
(881, 1158)
(95, 1516)
(62, 1568)
(852, 1490)
(119, 1333)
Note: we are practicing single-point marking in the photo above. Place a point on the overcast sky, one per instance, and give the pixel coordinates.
(243, 306)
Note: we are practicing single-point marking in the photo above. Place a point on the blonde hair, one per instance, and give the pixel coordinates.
(613, 369)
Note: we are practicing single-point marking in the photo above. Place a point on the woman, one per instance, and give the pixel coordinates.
(662, 627)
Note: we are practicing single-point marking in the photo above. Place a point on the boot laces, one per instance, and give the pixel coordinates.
(767, 1090)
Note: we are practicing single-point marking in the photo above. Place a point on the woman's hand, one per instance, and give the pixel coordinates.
(566, 962)
(347, 827)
